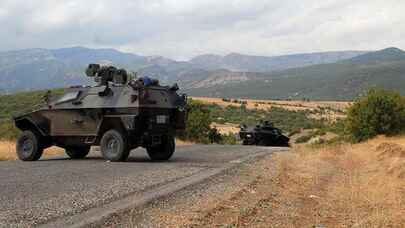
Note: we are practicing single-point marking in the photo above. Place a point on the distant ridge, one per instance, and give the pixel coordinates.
(33, 69)
(388, 54)
(343, 80)
(249, 63)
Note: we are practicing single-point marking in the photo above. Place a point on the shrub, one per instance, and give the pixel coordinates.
(379, 112)
(8, 131)
(198, 123)
(228, 139)
(214, 136)
(303, 139)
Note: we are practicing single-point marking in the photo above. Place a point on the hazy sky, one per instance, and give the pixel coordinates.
(184, 28)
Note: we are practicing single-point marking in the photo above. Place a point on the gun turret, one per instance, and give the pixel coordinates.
(105, 74)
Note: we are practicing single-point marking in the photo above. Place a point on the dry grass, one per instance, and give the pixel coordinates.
(346, 186)
(291, 105)
(227, 128)
(7, 151)
(183, 143)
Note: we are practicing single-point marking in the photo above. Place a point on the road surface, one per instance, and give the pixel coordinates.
(57, 191)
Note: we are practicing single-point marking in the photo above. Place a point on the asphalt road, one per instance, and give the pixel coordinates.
(45, 191)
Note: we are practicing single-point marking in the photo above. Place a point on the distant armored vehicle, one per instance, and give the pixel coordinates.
(118, 115)
(264, 134)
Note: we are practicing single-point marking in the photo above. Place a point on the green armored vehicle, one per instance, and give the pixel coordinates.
(118, 115)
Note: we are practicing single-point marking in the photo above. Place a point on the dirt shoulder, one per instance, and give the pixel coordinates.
(7, 151)
(337, 186)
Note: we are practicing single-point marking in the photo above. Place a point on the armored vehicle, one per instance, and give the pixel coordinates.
(117, 114)
(264, 134)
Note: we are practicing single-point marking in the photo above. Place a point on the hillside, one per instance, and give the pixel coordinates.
(34, 69)
(343, 80)
(319, 76)
(248, 63)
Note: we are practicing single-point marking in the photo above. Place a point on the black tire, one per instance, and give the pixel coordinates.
(77, 152)
(164, 151)
(114, 146)
(29, 146)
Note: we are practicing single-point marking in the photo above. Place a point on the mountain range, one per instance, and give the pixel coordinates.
(343, 80)
(326, 75)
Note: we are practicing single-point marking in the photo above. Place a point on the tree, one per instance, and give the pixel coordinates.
(198, 123)
(214, 136)
(379, 112)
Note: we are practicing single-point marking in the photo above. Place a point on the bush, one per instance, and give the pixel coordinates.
(214, 136)
(228, 139)
(8, 131)
(198, 123)
(379, 112)
(303, 139)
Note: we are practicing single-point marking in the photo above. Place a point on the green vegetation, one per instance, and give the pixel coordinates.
(313, 134)
(198, 123)
(343, 80)
(380, 112)
(303, 139)
(199, 129)
(200, 118)
(19, 102)
(7, 130)
(16, 104)
(215, 136)
(284, 119)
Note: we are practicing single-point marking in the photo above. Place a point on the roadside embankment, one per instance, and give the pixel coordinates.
(360, 185)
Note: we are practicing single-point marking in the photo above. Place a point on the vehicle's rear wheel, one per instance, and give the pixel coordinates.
(29, 146)
(77, 152)
(114, 146)
(163, 151)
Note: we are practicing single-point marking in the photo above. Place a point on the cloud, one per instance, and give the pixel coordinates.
(184, 28)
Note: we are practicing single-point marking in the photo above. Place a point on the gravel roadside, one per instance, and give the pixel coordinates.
(202, 205)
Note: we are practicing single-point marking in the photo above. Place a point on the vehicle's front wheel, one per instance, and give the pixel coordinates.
(77, 152)
(29, 146)
(114, 146)
(163, 151)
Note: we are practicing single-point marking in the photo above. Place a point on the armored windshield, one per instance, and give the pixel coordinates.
(71, 96)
